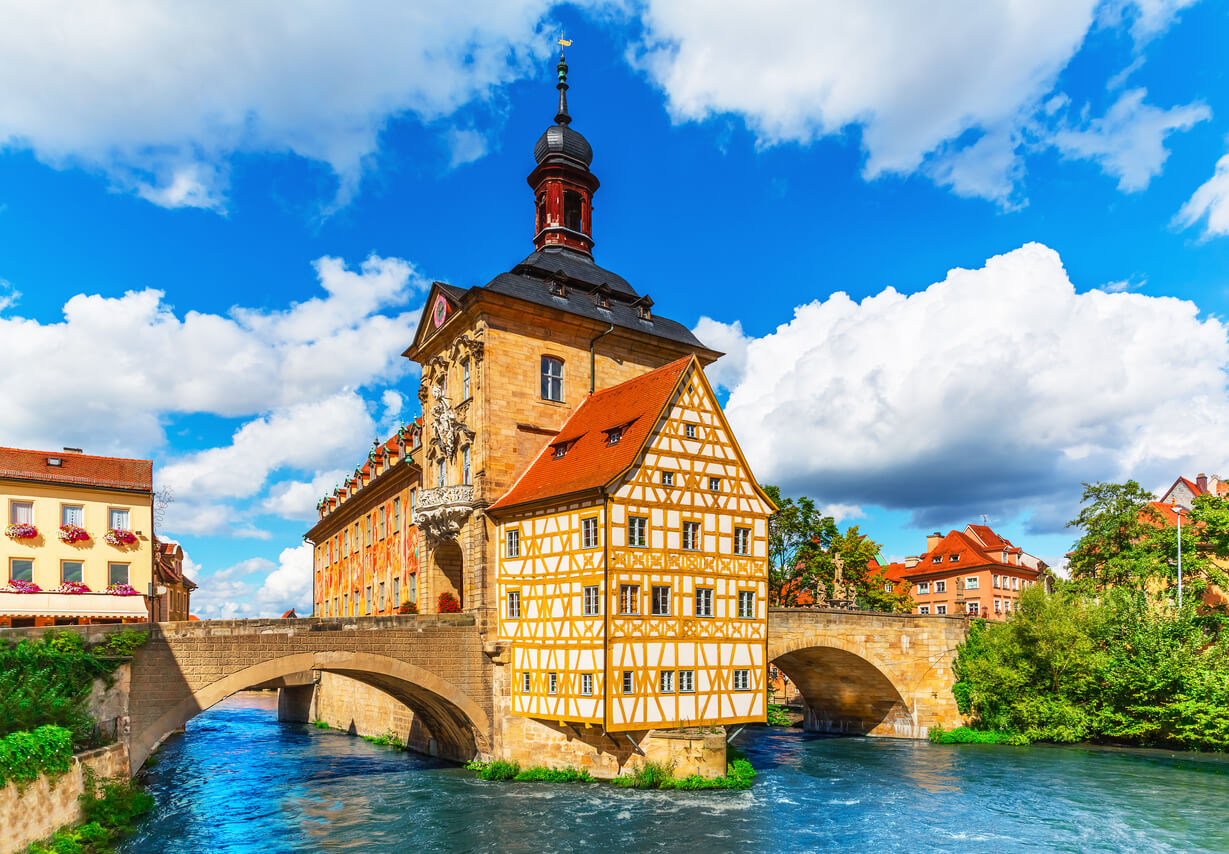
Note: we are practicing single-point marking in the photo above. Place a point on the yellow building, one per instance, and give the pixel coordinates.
(634, 571)
(78, 544)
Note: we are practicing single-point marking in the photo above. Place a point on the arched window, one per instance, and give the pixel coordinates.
(552, 378)
(572, 210)
(541, 211)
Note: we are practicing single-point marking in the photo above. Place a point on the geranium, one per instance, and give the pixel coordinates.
(19, 586)
(72, 587)
(73, 534)
(120, 537)
(123, 590)
(21, 531)
(448, 604)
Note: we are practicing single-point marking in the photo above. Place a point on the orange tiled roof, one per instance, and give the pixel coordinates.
(589, 462)
(77, 469)
(970, 554)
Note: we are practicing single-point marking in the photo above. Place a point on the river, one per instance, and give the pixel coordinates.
(239, 781)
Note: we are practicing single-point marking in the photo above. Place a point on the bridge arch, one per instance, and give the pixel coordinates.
(457, 723)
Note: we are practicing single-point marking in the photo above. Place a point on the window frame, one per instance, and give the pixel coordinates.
(708, 602)
(80, 571)
(466, 470)
(13, 505)
(714, 484)
(513, 604)
(688, 677)
(696, 531)
(665, 682)
(465, 379)
(941, 609)
(127, 511)
(526, 682)
(742, 541)
(552, 683)
(111, 565)
(591, 600)
(923, 609)
(64, 516)
(689, 431)
(642, 541)
(660, 604)
(667, 479)
(629, 594)
(13, 561)
(549, 381)
(972, 582)
(743, 676)
(941, 585)
(586, 684)
(628, 682)
(589, 537)
(923, 588)
(512, 543)
(744, 596)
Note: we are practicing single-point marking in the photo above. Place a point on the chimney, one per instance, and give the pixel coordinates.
(1201, 481)
(933, 540)
(911, 562)
(69, 450)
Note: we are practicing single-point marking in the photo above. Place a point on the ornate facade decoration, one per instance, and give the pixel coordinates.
(443, 510)
(446, 425)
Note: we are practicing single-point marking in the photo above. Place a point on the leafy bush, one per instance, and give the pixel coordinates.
(739, 774)
(967, 735)
(122, 644)
(647, 775)
(779, 716)
(1119, 668)
(320, 724)
(120, 803)
(498, 769)
(538, 774)
(25, 755)
(388, 739)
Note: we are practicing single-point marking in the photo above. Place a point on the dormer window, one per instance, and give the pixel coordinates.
(561, 449)
(55, 461)
(602, 297)
(954, 558)
(613, 435)
(645, 313)
(937, 559)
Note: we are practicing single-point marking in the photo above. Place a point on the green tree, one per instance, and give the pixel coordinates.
(798, 535)
(1116, 519)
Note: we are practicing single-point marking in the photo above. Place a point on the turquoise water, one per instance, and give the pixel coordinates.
(238, 781)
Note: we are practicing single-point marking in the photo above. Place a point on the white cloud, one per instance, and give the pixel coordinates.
(108, 375)
(958, 83)
(296, 499)
(160, 96)
(257, 587)
(1128, 142)
(8, 294)
(465, 146)
(992, 391)
(1211, 200)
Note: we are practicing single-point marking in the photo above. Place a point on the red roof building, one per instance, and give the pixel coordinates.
(1184, 491)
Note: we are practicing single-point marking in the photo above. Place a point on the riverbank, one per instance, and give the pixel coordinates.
(322, 790)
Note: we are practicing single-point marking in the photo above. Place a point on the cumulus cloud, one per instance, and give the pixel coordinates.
(296, 499)
(159, 97)
(992, 391)
(950, 89)
(1209, 203)
(257, 587)
(1128, 142)
(131, 360)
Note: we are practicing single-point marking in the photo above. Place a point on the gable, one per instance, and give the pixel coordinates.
(443, 301)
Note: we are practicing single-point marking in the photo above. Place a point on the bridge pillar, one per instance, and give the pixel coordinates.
(294, 704)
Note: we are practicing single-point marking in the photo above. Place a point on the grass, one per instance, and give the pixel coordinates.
(320, 724)
(389, 739)
(109, 816)
(967, 735)
(647, 775)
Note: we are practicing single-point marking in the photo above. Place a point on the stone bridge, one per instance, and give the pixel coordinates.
(867, 672)
(858, 672)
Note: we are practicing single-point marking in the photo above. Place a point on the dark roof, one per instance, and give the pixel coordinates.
(562, 140)
(576, 266)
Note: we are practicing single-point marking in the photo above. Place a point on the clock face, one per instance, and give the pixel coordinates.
(440, 312)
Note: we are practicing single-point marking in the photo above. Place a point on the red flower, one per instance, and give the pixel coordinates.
(448, 604)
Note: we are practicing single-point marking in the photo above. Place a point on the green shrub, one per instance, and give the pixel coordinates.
(498, 769)
(778, 716)
(389, 739)
(538, 774)
(318, 724)
(25, 755)
(967, 735)
(122, 644)
(120, 803)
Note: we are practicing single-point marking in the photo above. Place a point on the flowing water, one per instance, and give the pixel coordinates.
(239, 781)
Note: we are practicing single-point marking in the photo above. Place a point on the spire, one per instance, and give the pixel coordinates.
(562, 116)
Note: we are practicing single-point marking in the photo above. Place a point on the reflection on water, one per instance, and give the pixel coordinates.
(241, 782)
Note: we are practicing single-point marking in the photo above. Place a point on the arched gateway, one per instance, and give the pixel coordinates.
(433, 664)
(868, 673)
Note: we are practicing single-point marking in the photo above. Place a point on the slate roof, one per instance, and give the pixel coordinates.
(589, 461)
(576, 266)
(77, 469)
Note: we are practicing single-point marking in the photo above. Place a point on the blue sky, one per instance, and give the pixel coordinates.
(962, 258)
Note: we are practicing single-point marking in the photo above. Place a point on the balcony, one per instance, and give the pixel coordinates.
(443, 510)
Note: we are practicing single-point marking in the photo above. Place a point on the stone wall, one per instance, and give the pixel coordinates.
(360, 709)
(44, 807)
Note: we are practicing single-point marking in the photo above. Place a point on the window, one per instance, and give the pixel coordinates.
(335, 611)
(742, 680)
(629, 599)
(1007, 605)
(887, 587)
(525, 683)
(691, 536)
(367, 599)
(1015, 583)
(21, 569)
(72, 514)
(923, 609)
(119, 520)
(689, 430)
(514, 604)
(413, 593)
(586, 684)
(117, 573)
(512, 543)
(953, 558)
(742, 541)
(439, 472)
(572, 218)
(381, 530)
(667, 478)
(588, 533)
(638, 531)
(70, 570)
(970, 582)
(345, 542)
(613, 435)
(381, 599)
(561, 449)
(995, 582)
(397, 514)
(345, 604)
(940, 609)
(592, 602)
(973, 608)
(552, 378)
(746, 604)
(465, 475)
(465, 380)
(21, 513)
(923, 587)
(396, 603)
(937, 559)
(665, 682)
(661, 601)
(413, 503)
(998, 606)
(552, 683)
(714, 484)
(371, 528)
(687, 681)
(940, 586)
(354, 540)
(627, 682)
(704, 601)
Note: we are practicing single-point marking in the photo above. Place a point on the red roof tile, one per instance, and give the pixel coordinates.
(77, 469)
(589, 462)
(970, 554)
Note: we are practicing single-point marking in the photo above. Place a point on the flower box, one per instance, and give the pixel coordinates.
(73, 534)
(118, 537)
(18, 586)
(21, 531)
(72, 588)
(123, 590)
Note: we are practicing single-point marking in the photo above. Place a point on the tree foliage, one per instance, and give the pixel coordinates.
(1122, 667)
